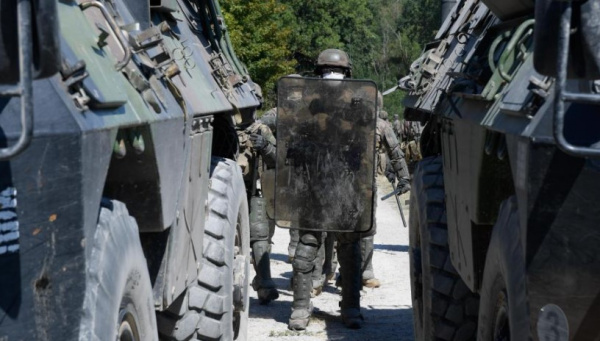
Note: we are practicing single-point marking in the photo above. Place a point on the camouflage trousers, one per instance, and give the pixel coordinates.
(381, 163)
(412, 151)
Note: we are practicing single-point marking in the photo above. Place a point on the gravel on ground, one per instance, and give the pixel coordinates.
(387, 310)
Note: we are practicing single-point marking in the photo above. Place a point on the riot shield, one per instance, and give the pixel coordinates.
(325, 171)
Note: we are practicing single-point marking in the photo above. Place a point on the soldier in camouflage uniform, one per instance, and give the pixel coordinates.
(332, 64)
(410, 133)
(396, 168)
(257, 141)
(397, 127)
(381, 154)
(269, 118)
(388, 146)
(318, 273)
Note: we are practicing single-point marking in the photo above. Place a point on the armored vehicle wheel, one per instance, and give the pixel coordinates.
(503, 310)
(444, 308)
(216, 306)
(118, 301)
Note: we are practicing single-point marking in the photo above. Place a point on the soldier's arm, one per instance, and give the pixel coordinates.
(392, 147)
(267, 148)
(269, 119)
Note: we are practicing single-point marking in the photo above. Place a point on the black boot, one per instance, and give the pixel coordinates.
(262, 282)
(350, 260)
(260, 235)
(303, 265)
(301, 306)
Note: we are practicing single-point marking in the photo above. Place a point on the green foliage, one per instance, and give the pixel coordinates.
(260, 39)
(383, 37)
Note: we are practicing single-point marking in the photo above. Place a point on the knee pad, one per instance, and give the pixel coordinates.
(309, 239)
(306, 253)
(302, 265)
(259, 231)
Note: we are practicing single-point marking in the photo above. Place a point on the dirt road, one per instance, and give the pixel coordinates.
(387, 310)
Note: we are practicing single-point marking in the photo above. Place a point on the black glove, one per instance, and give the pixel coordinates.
(258, 141)
(404, 185)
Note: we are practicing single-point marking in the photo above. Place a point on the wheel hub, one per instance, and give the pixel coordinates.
(128, 330)
(501, 322)
(240, 289)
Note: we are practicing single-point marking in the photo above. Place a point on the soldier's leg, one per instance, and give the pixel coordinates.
(368, 275)
(294, 237)
(415, 151)
(303, 265)
(348, 251)
(366, 250)
(331, 261)
(381, 161)
(260, 236)
(318, 275)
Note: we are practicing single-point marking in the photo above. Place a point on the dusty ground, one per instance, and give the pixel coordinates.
(387, 310)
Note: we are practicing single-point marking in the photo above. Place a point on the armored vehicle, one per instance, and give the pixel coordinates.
(504, 210)
(123, 214)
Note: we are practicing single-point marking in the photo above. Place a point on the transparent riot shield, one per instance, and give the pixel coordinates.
(325, 170)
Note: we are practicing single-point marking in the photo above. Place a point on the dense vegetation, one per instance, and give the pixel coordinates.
(279, 37)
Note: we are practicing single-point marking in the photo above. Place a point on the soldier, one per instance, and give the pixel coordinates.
(397, 127)
(318, 274)
(269, 118)
(256, 140)
(381, 153)
(331, 64)
(388, 146)
(410, 144)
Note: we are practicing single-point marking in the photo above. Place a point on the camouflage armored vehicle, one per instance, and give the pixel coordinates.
(504, 210)
(123, 214)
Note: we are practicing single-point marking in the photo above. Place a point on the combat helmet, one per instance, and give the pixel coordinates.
(333, 59)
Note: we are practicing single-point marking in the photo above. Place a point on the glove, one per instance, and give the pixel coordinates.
(404, 185)
(258, 141)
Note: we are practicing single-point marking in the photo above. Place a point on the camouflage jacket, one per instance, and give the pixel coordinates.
(246, 159)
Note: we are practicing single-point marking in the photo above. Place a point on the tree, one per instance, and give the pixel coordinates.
(383, 37)
(261, 40)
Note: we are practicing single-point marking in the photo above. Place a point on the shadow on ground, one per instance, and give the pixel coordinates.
(280, 257)
(270, 310)
(387, 247)
(379, 324)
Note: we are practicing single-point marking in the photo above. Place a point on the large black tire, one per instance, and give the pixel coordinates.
(444, 307)
(503, 312)
(118, 300)
(215, 307)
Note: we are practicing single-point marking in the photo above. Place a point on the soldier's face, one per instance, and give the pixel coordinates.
(333, 75)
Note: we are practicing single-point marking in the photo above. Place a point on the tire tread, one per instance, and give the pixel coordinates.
(451, 302)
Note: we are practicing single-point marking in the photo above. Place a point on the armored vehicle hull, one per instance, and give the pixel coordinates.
(503, 211)
(124, 214)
